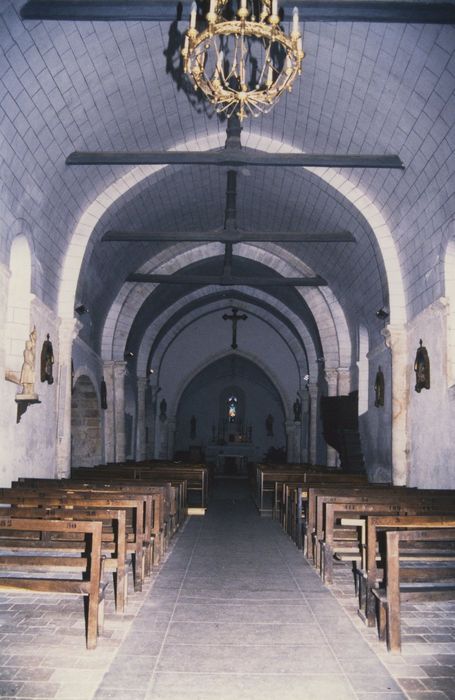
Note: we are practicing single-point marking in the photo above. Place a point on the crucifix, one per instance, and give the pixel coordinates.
(234, 318)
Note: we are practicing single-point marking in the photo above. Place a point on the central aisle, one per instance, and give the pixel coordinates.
(236, 612)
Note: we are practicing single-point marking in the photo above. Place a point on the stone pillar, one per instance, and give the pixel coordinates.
(5, 275)
(313, 421)
(114, 423)
(142, 383)
(292, 434)
(171, 425)
(151, 419)
(68, 330)
(396, 340)
(344, 381)
(331, 376)
(304, 396)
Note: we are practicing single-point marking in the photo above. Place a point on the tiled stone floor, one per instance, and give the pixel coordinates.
(234, 612)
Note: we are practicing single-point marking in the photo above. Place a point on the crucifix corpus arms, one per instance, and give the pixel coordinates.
(234, 318)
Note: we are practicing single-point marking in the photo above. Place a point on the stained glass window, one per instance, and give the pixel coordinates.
(232, 403)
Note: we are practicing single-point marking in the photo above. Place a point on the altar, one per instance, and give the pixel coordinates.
(230, 459)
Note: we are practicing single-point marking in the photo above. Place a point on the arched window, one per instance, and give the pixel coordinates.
(449, 274)
(362, 364)
(18, 312)
(232, 405)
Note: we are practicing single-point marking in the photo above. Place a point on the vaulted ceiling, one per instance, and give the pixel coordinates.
(366, 88)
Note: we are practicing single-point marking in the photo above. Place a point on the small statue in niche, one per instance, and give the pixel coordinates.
(103, 394)
(269, 425)
(192, 427)
(379, 388)
(422, 368)
(297, 410)
(27, 378)
(163, 410)
(47, 361)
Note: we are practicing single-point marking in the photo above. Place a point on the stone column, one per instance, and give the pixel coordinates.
(292, 434)
(142, 383)
(171, 425)
(5, 275)
(313, 421)
(304, 396)
(151, 418)
(396, 340)
(68, 330)
(331, 376)
(114, 423)
(344, 381)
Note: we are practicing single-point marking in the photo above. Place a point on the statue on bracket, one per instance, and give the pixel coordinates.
(103, 394)
(163, 410)
(297, 410)
(269, 425)
(422, 368)
(27, 396)
(27, 378)
(47, 361)
(379, 388)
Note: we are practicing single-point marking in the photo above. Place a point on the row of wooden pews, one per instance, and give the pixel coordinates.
(69, 536)
(400, 541)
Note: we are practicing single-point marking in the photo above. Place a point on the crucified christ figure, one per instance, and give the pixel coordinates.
(234, 318)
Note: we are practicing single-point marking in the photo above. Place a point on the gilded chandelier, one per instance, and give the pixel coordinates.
(243, 65)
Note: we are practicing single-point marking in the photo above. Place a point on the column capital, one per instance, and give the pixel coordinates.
(331, 377)
(142, 383)
(69, 329)
(117, 367)
(394, 336)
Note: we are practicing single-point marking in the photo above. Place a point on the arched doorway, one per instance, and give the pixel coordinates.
(85, 425)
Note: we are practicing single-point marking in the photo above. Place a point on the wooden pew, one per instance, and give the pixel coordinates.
(156, 507)
(377, 526)
(177, 510)
(340, 536)
(196, 477)
(136, 542)
(88, 566)
(270, 477)
(113, 542)
(414, 574)
(319, 496)
(300, 509)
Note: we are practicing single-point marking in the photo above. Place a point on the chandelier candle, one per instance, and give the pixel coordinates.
(242, 65)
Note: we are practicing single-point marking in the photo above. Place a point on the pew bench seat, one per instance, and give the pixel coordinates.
(413, 574)
(65, 573)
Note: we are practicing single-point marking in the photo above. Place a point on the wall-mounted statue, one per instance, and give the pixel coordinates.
(27, 378)
(297, 410)
(163, 410)
(422, 368)
(47, 361)
(379, 388)
(103, 394)
(269, 425)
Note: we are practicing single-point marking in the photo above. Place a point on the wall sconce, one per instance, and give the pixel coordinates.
(382, 313)
(81, 309)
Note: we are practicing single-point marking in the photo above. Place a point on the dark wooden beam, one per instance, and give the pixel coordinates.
(235, 159)
(105, 10)
(222, 236)
(202, 280)
(309, 10)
